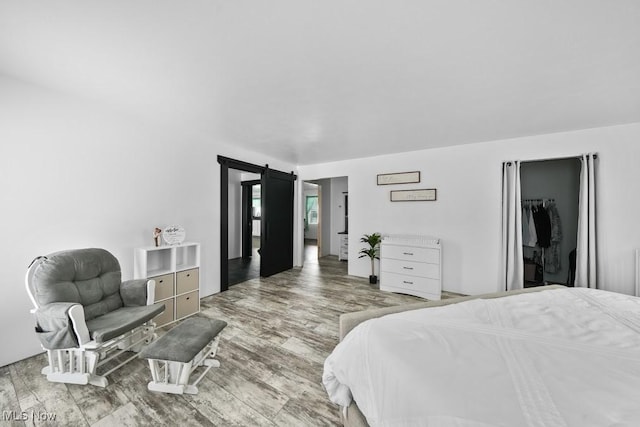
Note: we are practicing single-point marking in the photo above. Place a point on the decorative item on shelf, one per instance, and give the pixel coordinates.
(422, 195)
(173, 235)
(156, 236)
(398, 178)
(373, 252)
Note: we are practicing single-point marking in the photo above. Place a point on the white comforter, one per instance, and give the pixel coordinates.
(566, 357)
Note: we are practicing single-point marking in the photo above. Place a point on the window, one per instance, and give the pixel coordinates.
(256, 205)
(311, 211)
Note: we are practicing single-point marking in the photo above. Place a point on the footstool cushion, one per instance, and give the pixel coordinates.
(185, 341)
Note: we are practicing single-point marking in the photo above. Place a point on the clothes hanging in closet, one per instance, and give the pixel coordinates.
(529, 235)
(552, 254)
(525, 226)
(543, 225)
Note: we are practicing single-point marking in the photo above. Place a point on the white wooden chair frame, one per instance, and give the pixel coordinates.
(79, 365)
(173, 377)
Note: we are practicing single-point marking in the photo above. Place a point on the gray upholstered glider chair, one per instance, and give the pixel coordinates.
(86, 317)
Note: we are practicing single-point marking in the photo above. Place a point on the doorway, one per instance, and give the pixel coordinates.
(275, 251)
(325, 217)
(311, 221)
(244, 226)
(251, 218)
(550, 193)
(520, 227)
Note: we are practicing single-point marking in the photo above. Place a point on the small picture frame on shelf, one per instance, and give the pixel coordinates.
(173, 235)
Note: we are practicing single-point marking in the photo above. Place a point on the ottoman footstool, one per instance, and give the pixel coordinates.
(174, 356)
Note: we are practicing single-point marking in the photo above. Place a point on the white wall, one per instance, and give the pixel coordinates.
(467, 213)
(74, 174)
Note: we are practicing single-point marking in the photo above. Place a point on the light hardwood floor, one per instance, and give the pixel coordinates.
(280, 330)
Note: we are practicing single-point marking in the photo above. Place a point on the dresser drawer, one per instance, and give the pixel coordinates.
(164, 286)
(187, 280)
(410, 268)
(410, 283)
(167, 315)
(187, 304)
(410, 253)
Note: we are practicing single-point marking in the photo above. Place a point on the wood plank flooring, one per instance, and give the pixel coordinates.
(280, 330)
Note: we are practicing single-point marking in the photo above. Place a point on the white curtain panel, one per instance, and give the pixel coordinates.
(586, 246)
(513, 264)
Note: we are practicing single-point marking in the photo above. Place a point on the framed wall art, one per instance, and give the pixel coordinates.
(398, 178)
(422, 195)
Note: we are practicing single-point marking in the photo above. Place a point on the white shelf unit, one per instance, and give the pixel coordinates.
(411, 265)
(343, 255)
(176, 270)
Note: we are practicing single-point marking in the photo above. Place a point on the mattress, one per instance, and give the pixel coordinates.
(562, 357)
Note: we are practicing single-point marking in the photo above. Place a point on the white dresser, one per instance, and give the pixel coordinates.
(411, 265)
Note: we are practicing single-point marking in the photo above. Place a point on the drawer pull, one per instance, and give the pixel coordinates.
(408, 268)
(408, 253)
(188, 275)
(187, 298)
(161, 281)
(408, 283)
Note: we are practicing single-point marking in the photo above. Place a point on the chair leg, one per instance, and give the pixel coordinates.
(173, 377)
(80, 365)
(61, 367)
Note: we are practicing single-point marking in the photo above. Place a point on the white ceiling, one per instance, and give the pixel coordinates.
(310, 81)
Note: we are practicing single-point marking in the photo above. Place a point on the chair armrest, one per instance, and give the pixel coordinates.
(138, 292)
(55, 325)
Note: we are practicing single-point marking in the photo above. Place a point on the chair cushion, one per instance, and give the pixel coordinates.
(90, 277)
(185, 341)
(124, 319)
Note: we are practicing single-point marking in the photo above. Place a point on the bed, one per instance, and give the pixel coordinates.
(548, 356)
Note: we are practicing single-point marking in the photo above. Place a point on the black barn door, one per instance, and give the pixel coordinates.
(276, 241)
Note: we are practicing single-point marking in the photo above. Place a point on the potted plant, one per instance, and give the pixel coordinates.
(373, 252)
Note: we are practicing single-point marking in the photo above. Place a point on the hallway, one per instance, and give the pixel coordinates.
(241, 269)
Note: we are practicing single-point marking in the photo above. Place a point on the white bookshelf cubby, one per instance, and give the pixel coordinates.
(176, 270)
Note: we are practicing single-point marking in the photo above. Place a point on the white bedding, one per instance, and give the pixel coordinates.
(564, 357)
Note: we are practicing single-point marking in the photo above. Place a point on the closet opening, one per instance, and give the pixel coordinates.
(549, 222)
(550, 196)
